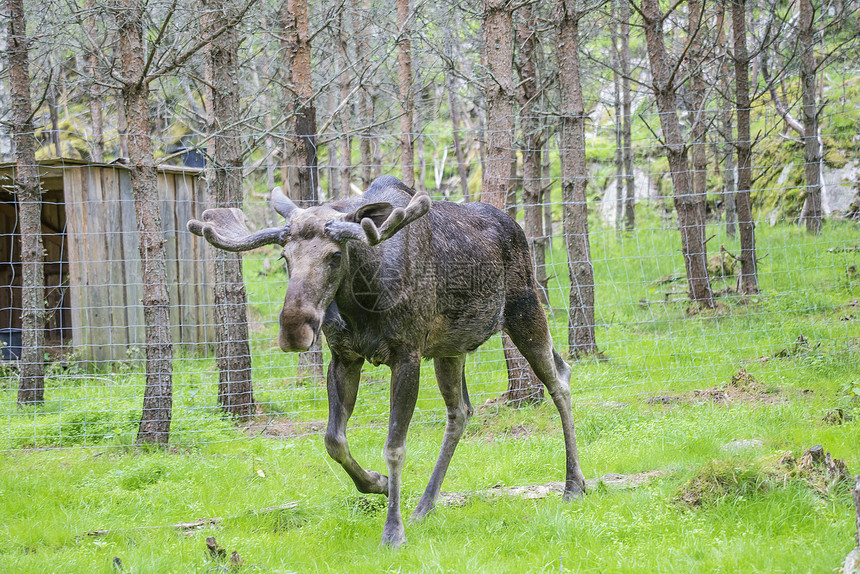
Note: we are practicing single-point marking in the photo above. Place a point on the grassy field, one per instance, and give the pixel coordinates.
(660, 402)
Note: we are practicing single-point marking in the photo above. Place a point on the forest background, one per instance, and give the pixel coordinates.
(630, 139)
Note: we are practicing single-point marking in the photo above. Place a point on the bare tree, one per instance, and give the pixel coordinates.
(532, 145)
(345, 88)
(362, 24)
(523, 385)
(581, 335)
(813, 152)
(690, 217)
(617, 112)
(696, 31)
(158, 394)
(300, 150)
(31, 389)
(407, 104)
(454, 107)
(729, 186)
(746, 225)
(627, 116)
(235, 394)
(97, 142)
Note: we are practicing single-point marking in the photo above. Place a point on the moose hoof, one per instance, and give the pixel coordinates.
(393, 538)
(376, 484)
(572, 491)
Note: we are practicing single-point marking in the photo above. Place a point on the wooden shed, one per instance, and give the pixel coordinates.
(93, 267)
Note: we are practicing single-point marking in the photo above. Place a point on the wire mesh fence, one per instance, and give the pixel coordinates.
(651, 342)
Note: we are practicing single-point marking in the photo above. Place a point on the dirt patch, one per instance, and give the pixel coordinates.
(722, 479)
(532, 491)
(274, 427)
(742, 387)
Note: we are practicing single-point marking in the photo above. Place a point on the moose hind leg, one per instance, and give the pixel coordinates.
(526, 324)
(451, 377)
(342, 382)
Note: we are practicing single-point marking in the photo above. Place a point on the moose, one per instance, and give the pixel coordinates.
(392, 277)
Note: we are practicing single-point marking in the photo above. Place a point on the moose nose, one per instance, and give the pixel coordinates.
(297, 333)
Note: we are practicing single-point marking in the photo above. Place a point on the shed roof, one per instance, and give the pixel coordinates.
(51, 170)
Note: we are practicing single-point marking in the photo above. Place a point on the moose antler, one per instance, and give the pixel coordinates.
(225, 228)
(399, 218)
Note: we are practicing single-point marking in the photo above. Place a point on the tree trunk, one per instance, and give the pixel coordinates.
(454, 109)
(157, 398)
(345, 87)
(334, 185)
(581, 335)
(404, 77)
(417, 128)
(546, 199)
(121, 126)
(365, 110)
(627, 118)
(696, 94)
(235, 393)
(690, 218)
(533, 141)
(617, 111)
(812, 148)
(523, 385)
(51, 100)
(729, 184)
(301, 152)
(513, 184)
(97, 141)
(746, 225)
(31, 388)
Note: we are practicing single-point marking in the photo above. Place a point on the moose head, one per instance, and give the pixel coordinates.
(314, 246)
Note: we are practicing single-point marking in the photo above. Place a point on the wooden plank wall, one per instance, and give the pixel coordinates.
(105, 268)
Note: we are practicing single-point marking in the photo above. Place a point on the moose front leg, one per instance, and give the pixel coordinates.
(404, 393)
(342, 381)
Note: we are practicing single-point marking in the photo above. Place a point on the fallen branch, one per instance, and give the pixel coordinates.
(197, 524)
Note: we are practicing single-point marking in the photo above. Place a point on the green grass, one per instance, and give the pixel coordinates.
(51, 497)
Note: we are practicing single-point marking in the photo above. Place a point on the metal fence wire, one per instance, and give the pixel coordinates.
(649, 341)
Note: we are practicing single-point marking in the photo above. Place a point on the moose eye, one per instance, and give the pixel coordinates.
(334, 258)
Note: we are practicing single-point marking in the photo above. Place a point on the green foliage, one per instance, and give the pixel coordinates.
(722, 479)
(49, 498)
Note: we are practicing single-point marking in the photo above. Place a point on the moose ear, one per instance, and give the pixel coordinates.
(376, 212)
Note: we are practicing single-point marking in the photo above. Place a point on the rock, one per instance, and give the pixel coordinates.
(838, 189)
(852, 562)
(644, 190)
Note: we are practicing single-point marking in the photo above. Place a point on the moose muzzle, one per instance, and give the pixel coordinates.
(299, 330)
